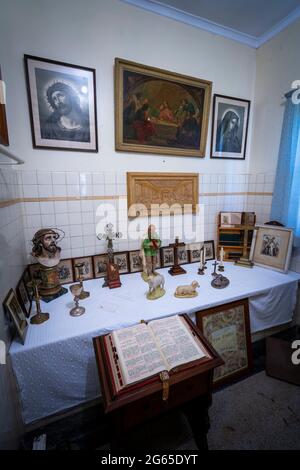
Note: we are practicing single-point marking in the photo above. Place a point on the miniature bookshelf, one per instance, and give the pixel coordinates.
(232, 238)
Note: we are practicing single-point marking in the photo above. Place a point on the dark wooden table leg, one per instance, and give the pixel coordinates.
(196, 412)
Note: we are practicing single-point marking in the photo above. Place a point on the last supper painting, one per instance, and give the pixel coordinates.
(160, 112)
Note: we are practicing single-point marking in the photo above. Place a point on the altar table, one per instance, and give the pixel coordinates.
(56, 368)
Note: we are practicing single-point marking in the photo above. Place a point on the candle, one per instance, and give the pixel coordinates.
(201, 259)
(221, 256)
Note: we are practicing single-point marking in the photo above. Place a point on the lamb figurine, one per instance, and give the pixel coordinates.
(187, 291)
(156, 286)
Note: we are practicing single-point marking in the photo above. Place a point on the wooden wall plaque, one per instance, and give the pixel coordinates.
(144, 190)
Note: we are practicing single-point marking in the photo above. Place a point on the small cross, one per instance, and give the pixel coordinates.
(215, 264)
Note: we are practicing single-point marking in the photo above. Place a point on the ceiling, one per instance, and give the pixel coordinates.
(249, 21)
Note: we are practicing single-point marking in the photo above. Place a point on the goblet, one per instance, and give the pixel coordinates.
(76, 290)
(84, 294)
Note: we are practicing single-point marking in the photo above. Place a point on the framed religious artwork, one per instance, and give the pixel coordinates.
(160, 112)
(227, 328)
(182, 254)
(24, 297)
(100, 265)
(14, 309)
(195, 251)
(230, 219)
(62, 104)
(167, 256)
(4, 140)
(122, 261)
(135, 261)
(209, 250)
(271, 247)
(229, 127)
(87, 270)
(65, 271)
(155, 194)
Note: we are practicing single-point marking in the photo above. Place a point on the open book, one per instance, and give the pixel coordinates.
(144, 350)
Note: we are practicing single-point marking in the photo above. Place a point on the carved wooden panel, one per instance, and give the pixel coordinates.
(145, 190)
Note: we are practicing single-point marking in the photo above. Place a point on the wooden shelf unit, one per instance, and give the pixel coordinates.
(234, 251)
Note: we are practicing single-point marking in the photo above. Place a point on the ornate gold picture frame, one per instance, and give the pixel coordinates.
(160, 112)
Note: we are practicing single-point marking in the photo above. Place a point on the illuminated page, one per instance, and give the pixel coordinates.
(138, 355)
(176, 341)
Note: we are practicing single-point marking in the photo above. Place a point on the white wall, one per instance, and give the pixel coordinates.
(93, 33)
(277, 66)
(12, 263)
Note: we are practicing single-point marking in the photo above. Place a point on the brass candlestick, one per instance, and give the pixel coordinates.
(39, 317)
(84, 294)
(76, 290)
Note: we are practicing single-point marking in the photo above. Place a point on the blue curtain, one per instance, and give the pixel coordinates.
(286, 198)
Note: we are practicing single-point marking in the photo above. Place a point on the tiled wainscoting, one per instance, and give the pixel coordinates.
(76, 202)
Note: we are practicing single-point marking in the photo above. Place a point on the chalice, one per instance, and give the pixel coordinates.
(76, 290)
(84, 294)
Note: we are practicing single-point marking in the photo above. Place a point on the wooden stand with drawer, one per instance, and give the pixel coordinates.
(190, 390)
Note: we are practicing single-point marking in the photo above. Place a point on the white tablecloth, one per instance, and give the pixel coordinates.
(56, 367)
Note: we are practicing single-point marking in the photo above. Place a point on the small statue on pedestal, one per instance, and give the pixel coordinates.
(156, 286)
(112, 278)
(149, 251)
(47, 253)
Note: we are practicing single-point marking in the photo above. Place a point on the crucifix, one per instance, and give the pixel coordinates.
(244, 260)
(112, 278)
(176, 268)
(214, 273)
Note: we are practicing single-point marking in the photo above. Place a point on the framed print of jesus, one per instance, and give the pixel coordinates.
(229, 127)
(62, 104)
(227, 328)
(160, 112)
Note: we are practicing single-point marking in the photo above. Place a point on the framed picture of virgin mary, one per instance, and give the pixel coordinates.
(229, 127)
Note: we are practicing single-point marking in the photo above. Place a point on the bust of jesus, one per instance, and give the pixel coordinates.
(45, 249)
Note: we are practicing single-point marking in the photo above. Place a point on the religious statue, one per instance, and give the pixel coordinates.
(112, 278)
(47, 254)
(156, 286)
(149, 251)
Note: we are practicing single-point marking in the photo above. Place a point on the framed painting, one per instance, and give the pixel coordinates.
(182, 254)
(100, 265)
(62, 104)
(227, 328)
(160, 112)
(271, 247)
(3, 121)
(230, 219)
(122, 261)
(135, 261)
(209, 250)
(229, 127)
(65, 271)
(167, 256)
(24, 297)
(196, 248)
(14, 309)
(87, 267)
